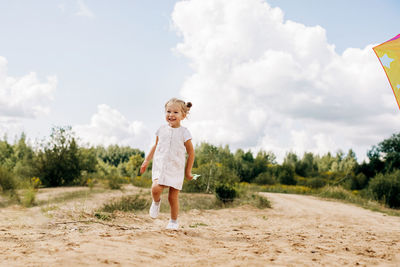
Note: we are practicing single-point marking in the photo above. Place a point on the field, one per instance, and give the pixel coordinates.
(65, 229)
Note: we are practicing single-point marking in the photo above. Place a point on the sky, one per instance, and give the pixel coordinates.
(277, 75)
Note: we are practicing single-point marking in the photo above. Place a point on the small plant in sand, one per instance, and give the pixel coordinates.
(105, 216)
(29, 197)
(35, 182)
(90, 183)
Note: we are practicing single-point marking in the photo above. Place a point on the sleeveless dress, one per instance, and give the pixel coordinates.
(170, 156)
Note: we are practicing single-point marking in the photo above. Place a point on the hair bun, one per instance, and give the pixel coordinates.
(189, 104)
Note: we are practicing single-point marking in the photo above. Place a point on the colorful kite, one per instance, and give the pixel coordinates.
(389, 56)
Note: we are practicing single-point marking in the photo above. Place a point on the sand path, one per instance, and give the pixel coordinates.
(297, 231)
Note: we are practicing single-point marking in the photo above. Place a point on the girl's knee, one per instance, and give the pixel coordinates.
(173, 195)
(156, 188)
(172, 198)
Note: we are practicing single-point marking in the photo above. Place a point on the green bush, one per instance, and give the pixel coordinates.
(225, 192)
(29, 198)
(114, 183)
(265, 178)
(7, 180)
(358, 182)
(316, 183)
(211, 175)
(285, 175)
(386, 188)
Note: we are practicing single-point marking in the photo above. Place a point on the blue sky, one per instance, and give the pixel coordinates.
(112, 66)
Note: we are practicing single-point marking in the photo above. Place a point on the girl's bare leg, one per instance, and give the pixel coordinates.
(156, 191)
(173, 202)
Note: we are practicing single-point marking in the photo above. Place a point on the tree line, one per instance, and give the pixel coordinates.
(60, 161)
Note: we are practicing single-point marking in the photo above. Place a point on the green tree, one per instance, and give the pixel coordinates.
(116, 155)
(24, 157)
(58, 162)
(7, 158)
(285, 174)
(307, 167)
(261, 162)
(324, 163)
(386, 188)
(291, 160)
(244, 165)
(389, 150)
(348, 163)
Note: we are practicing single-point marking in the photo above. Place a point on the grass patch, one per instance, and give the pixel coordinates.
(195, 225)
(9, 198)
(288, 189)
(142, 181)
(331, 192)
(128, 203)
(71, 195)
(49, 208)
(339, 193)
(187, 201)
(190, 201)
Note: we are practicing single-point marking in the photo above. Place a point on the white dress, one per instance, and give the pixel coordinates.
(170, 156)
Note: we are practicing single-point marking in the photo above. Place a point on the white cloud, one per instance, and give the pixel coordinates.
(26, 96)
(108, 126)
(84, 10)
(61, 6)
(262, 82)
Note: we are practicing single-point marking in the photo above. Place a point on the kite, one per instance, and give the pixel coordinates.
(389, 56)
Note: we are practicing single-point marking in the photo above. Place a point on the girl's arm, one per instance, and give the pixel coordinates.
(149, 157)
(190, 159)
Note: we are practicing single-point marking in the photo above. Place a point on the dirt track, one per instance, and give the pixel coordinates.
(298, 231)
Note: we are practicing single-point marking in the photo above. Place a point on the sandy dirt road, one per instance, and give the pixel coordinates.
(297, 231)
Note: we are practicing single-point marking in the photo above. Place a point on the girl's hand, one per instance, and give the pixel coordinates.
(189, 176)
(144, 166)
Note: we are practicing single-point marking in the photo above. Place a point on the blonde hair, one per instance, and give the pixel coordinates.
(185, 107)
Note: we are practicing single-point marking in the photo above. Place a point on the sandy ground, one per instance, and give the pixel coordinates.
(297, 231)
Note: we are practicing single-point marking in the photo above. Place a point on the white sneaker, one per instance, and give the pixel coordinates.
(154, 209)
(172, 226)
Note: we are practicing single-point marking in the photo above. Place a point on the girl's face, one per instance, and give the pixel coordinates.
(174, 115)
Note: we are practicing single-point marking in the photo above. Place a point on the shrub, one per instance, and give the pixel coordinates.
(265, 178)
(7, 180)
(90, 183)
(386, 188)
(225, 192)
(212, 174)
(114, 183)
(286, 175)
(316, 183)
(358, 182)
(29, 198)
(261, 202)
(337, 192)
(36, 183)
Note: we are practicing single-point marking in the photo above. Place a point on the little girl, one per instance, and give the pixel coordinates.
(173, 141)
